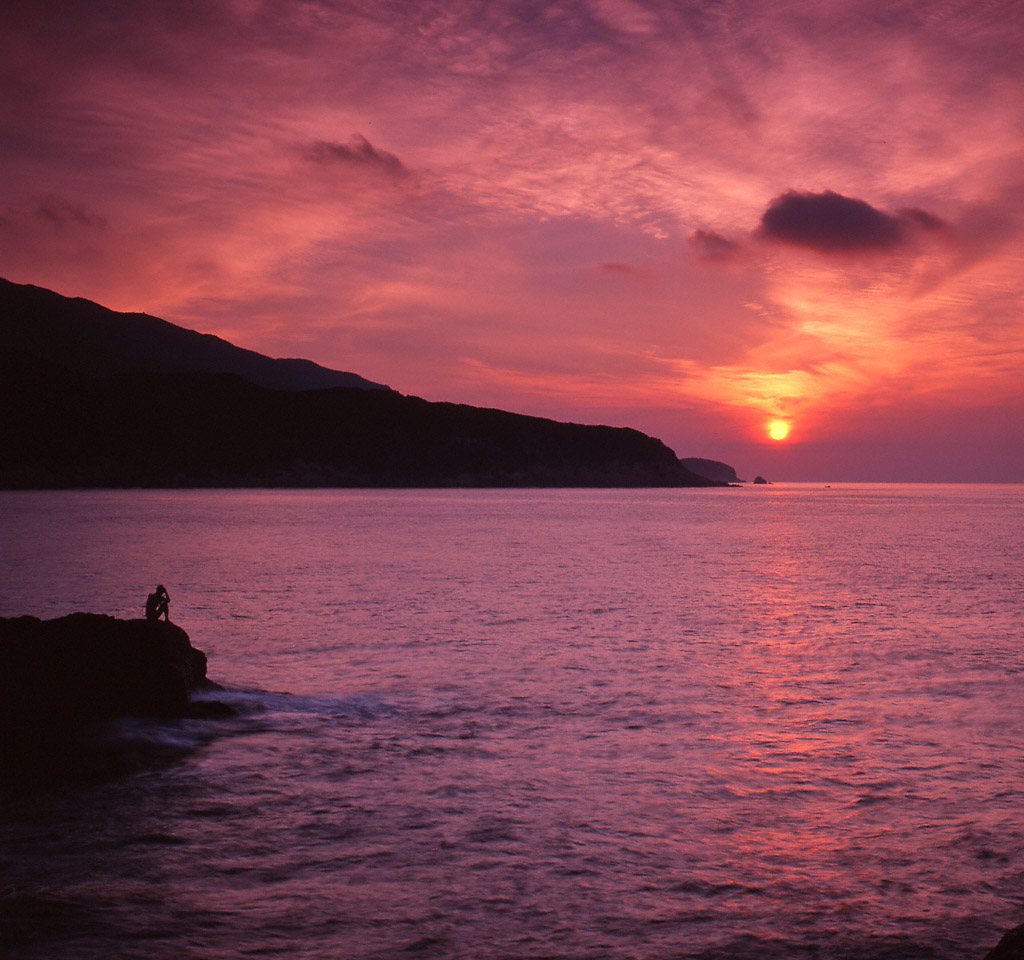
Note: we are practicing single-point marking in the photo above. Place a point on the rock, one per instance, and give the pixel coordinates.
(60, 678)
(211, 710)
(760, 480)
(1011, 947)
(712, 469)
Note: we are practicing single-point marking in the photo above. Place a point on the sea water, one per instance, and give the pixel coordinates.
(767, 722)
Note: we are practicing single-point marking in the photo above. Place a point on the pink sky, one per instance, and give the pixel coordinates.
(691, 218)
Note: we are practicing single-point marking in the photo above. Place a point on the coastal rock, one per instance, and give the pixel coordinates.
(711, 469)
(1011, 947)
(760, 480)
(62, 677)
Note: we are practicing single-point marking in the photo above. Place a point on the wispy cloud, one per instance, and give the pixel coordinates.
(358, 152)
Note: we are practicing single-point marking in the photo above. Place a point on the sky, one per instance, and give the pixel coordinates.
(713, 221)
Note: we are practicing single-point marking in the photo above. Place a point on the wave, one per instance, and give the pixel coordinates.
(253, 702)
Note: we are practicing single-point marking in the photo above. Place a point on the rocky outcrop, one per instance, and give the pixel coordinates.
(1011, 947)
(62, 677)
(711, 469)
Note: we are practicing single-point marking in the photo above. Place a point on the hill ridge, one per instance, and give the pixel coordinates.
(67, 427)
(86, 336)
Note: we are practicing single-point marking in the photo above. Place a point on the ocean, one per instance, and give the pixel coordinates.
(768, 722)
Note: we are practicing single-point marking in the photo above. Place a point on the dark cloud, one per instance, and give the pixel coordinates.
(712, 246)
(358, 152)
(830, 223)
(737, 105)
(63, 213)
(616, 268)
(924, 220)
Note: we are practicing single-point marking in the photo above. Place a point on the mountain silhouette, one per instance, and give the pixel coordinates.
(76, 416)
(92, 339)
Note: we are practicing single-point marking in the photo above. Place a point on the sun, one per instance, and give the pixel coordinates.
(778, 429)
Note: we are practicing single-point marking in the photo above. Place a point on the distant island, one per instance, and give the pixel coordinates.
(96, 398)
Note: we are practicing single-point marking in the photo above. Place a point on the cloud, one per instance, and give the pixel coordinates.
(923, 219)
(625, 16)
(63, 213)
(712, 246)
(830, 223)
(358, 152)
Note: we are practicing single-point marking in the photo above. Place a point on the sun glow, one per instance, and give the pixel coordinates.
(778, 429)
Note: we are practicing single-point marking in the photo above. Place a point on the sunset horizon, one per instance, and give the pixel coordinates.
(695, 219)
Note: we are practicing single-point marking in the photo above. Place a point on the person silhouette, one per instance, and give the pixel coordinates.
(157, 603)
